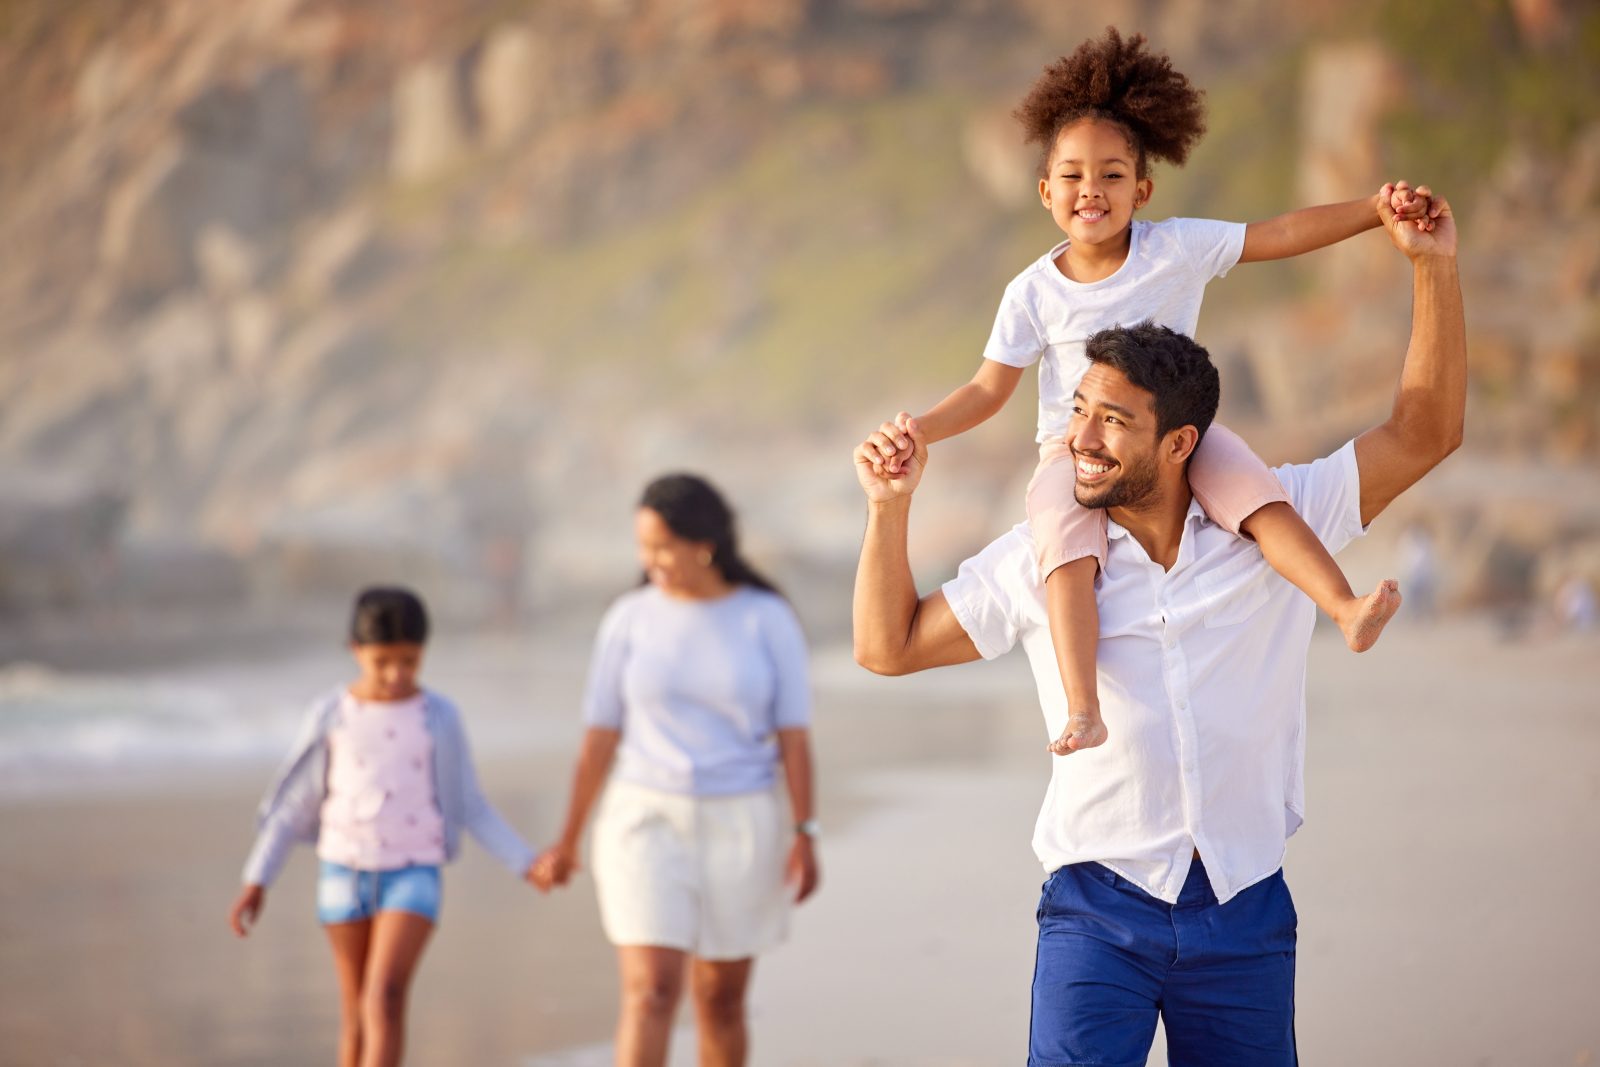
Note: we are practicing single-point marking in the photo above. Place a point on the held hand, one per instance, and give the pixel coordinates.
(803, 873)
(554, 867)
(1411, 205)
(873, 454)
(246, 909)
(1437, 239)
(890, 446)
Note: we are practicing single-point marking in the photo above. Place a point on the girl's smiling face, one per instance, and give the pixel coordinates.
(1092, 187)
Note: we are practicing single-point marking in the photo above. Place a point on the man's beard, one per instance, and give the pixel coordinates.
(1133, 489)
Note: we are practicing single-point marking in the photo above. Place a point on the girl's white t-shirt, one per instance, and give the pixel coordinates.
(1046, 317)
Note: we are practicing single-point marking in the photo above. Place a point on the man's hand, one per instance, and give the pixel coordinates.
(1432, 235)
(871, 456)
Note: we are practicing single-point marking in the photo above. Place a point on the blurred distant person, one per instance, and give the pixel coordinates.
(1577, 609)
(1100, 117)
(1165, 899)
(698, 692)
(382, 782)
(1419, 571)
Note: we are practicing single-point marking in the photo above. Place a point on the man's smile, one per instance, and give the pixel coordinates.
(1092, 468)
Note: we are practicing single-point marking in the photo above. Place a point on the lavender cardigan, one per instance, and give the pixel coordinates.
(291, 812)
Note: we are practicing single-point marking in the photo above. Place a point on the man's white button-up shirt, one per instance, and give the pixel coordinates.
(1202, 686)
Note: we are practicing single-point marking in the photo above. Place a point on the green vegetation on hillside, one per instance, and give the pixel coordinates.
(1478, 87)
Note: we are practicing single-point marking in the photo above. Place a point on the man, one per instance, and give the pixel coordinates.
(1165, 847)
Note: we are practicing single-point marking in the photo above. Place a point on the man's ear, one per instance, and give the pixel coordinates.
(1180, 444)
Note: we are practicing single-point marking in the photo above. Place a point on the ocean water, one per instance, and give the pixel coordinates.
(163, 728)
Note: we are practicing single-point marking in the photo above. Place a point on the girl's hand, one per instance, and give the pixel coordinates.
(246, 909)
(554, 867)
(803, 873)
(1410, 205)
(889, 446)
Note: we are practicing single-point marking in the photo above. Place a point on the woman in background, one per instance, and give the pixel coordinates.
(697, 691)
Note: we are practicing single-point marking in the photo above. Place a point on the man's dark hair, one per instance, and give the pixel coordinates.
(1167, 364)
(388, 615)
(1114, 79)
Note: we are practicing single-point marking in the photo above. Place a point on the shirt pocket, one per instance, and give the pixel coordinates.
(1233, 592)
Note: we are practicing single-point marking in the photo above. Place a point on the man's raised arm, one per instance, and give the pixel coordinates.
(895, 632)
(1431, 402)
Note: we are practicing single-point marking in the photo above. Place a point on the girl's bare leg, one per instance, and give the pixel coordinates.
(652, 985)
(1296, 553)
(350, 941)
(1075, 633)
(719, 988)
(398, 938)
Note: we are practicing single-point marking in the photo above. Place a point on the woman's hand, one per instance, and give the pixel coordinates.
(246, 909)
(554, 867)
(803, 872)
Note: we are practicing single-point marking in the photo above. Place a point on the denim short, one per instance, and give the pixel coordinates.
(1113, 959)
(346, 895)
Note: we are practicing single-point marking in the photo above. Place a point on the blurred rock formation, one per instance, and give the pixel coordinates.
(304, 293)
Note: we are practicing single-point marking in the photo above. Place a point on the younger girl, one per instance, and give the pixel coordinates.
(381, 780)
(1099, 117)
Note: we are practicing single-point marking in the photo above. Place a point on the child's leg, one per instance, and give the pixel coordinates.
(1242, 495)
(350, 942)
(652, 985)
(1071, 543)
(398, 938)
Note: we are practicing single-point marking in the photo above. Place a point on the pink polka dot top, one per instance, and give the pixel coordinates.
(380, 812)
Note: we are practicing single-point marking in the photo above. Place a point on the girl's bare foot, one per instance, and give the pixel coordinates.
(1365, 617)
(1082, 731)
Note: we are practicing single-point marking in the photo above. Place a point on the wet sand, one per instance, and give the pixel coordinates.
(1444, 882)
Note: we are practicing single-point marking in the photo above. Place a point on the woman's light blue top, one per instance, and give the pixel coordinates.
(699, 688)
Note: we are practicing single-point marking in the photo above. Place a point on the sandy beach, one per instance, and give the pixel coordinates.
(1444, 881)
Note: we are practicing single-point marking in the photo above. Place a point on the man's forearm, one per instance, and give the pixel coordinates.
(885, 603)
(1431, 403)
(1429, 413)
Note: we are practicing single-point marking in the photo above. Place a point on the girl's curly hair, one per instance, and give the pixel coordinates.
(1116, 81)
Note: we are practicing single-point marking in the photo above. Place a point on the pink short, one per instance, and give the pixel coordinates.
(1228, 479)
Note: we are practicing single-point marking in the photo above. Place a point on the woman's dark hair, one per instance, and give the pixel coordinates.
(1169, 365)
(694, 510)
(1116, 81)
(388, 615)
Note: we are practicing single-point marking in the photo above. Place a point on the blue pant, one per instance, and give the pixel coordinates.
(1112, 958)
